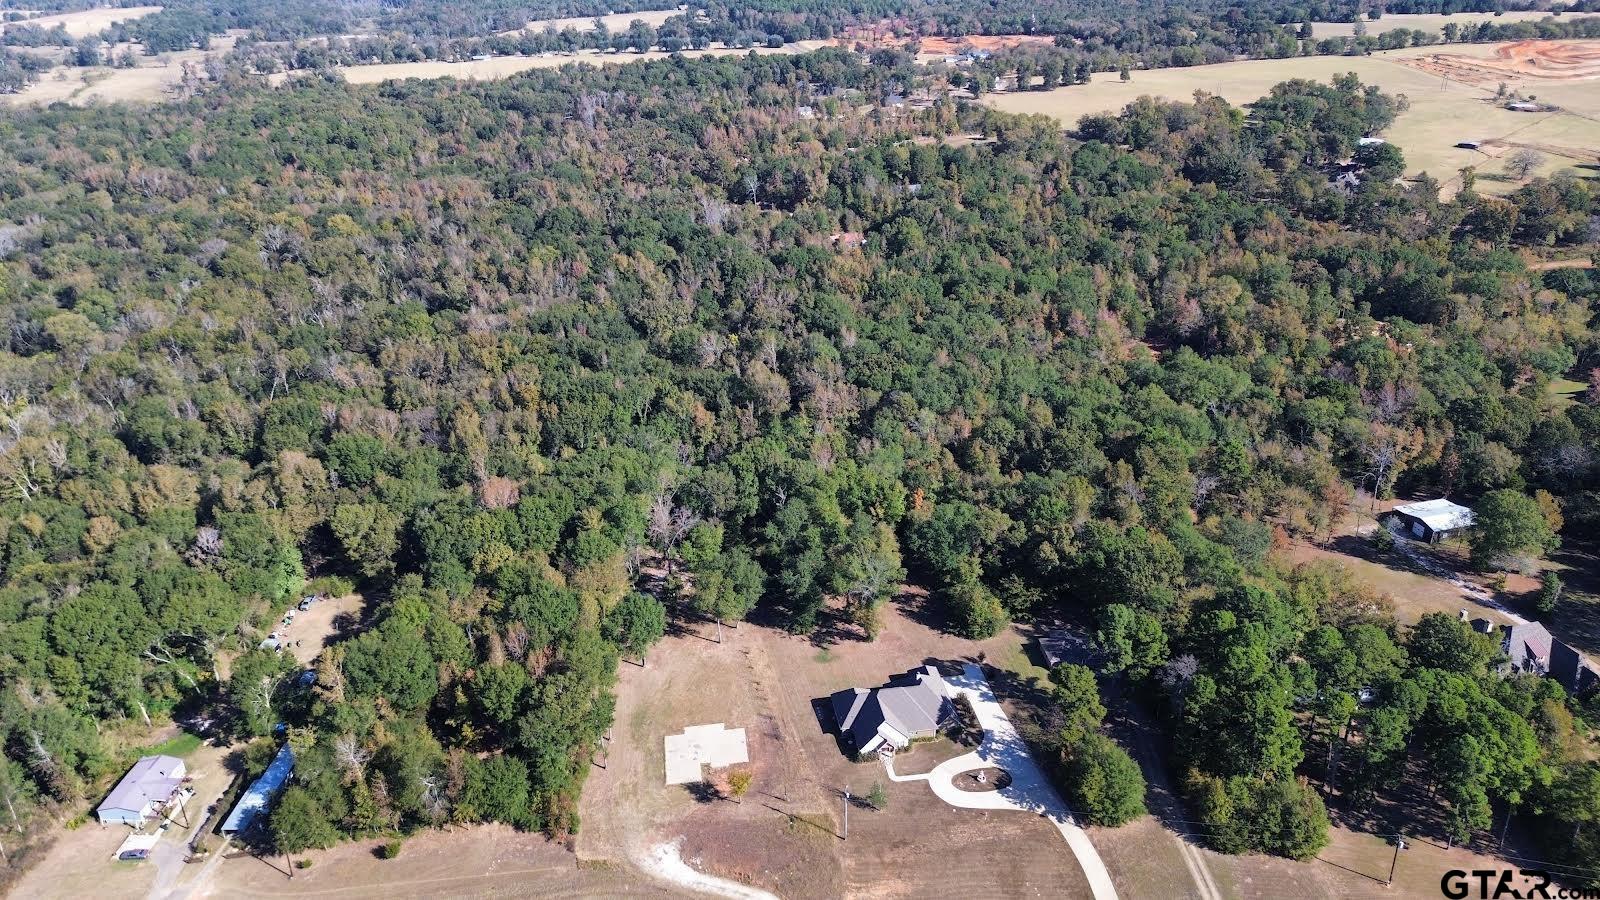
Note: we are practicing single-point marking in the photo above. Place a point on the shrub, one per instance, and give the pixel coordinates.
(1382, 540)
(302, 863)
(739, 782)
(332, 585)
(390, 849)
(877, 796)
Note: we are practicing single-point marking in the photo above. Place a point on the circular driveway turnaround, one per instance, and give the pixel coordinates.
(1029, 791)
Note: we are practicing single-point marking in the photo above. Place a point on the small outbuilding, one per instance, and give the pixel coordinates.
(257, 800)
(1434, 520)
(148, 787)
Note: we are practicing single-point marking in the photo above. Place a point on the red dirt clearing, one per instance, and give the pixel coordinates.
(1550, 60)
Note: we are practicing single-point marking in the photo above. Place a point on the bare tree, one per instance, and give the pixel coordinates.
(669, 523)
(1521, 163)
(350, 756)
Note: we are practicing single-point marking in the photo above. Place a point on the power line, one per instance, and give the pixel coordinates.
(1214, 829)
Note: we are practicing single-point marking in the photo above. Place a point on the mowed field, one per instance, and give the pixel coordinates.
(1443, 110)
(1429, 22)
(614, 22)
(89, 21)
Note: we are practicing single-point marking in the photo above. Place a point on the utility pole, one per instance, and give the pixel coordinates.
(847, 813)
(1399, 844)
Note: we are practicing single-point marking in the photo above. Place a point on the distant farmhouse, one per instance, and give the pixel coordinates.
(1434, 520)
(911, 706)
(1529, 648)
(148, 787)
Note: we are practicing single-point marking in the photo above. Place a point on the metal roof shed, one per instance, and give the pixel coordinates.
(1435, 520)
(258, 799)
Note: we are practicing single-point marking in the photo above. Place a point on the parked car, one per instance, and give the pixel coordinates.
(305, 603)
(134, 854)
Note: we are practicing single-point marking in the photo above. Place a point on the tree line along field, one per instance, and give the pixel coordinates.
(1432, 23)
(1442, 111)
(611, 21)
(505, 66)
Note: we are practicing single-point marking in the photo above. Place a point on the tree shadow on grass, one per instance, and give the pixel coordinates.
(834, 627)
(1577, 618)
(702, 792)
(921, 608)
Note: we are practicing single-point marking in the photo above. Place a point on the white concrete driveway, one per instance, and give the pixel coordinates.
(1030, 789)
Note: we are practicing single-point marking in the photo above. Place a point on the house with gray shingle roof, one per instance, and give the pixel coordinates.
(1527, 646)
(148, 786)
(915, 705)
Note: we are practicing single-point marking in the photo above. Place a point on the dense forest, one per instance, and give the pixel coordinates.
(486, 350)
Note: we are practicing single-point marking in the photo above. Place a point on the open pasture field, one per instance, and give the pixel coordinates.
(1430, 22)
(90, 21)
(151, 81)
(1444, 110)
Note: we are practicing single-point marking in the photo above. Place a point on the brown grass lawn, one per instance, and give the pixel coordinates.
(786, 834)
(483, 861)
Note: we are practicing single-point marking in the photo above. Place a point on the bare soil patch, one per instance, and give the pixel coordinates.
(1444, 111)
(326, 622)
(1552, 60)
(945, 46)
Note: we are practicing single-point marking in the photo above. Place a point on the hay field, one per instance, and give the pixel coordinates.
(1431, 22)
(505, 66)
(1443, 111)
(614, 22)
(90, 21)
